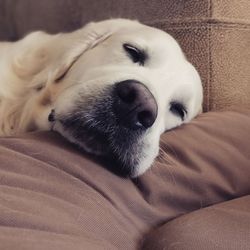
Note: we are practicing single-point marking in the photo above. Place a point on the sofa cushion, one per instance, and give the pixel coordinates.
(225, 226)
(53, 196)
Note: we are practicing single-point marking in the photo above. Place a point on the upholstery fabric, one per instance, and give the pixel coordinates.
(214, 34)
(225, 226)
(196, 196)
(52, 196)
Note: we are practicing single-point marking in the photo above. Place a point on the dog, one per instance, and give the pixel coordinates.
(112, 87)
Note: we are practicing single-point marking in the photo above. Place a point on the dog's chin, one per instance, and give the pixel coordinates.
(92, 125)
(120, 152)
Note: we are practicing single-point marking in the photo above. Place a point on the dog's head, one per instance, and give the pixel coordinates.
(127, 86)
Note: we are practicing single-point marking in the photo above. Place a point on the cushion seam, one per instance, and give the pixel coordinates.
(178, 21)
(209, 74)
(205, 26)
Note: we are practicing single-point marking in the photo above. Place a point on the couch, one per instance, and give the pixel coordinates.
(197, 193)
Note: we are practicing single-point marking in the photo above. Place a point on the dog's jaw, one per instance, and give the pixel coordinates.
(132, 163)
(94, 149)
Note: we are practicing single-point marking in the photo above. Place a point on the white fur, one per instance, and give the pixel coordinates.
(86, 61)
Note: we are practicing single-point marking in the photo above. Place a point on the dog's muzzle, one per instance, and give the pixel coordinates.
(111, 124)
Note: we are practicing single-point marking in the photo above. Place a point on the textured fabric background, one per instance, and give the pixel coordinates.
(225, 226)
(52, 197)
(214, 34)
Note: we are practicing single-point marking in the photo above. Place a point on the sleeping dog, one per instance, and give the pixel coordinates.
(112, 87)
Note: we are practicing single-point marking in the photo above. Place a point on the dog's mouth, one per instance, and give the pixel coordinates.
(95, 129)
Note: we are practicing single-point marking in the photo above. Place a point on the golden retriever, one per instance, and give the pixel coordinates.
(112, 87)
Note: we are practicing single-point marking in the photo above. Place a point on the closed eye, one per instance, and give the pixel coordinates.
(178, 109)
(137, 55)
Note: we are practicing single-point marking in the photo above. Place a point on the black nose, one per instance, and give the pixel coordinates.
(135, 106)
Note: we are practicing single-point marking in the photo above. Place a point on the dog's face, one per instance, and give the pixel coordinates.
(129, 87)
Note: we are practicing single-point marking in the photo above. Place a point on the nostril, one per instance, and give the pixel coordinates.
(146, 118)
(127, 94)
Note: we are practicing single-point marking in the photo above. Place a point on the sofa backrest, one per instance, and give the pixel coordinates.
(214, 34)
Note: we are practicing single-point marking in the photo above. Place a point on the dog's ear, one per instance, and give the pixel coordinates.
(42, 58)
(84, 39)
(39, 54)
(76, 44)
(29, 55)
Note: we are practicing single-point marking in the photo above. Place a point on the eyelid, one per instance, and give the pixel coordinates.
(134, 45)
(130, 49)
(178, 108)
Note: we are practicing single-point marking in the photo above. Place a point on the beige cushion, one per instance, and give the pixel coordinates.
(224, 226)
(52, 196)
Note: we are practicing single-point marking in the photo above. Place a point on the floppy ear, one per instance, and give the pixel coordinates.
(39, 54)
(42, 58)
(84, 39)
(29, 54)
(78, 43)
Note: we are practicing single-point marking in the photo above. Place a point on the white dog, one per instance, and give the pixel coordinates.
(112, 87)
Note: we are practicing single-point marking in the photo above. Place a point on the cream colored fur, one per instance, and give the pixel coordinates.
(28, 70)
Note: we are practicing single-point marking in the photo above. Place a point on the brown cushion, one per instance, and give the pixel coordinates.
(54, 197)
(225, 226)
